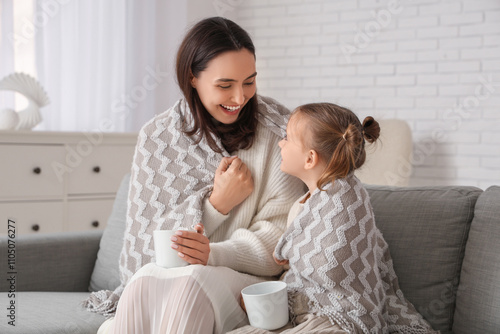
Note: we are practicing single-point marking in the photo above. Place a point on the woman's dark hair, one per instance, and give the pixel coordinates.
(339, 138)
(205, 41)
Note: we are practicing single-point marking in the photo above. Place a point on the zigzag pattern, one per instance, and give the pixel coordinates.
(173, 192)
(274, 115)
(340, 261)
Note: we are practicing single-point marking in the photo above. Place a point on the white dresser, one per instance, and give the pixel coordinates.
(61, 181)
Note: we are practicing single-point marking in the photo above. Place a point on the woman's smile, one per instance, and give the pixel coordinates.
(231, 110)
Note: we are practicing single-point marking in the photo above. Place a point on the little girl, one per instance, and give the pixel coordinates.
(341, 278)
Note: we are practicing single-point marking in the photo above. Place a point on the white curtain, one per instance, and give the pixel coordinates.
(106, 65)
(7, 49)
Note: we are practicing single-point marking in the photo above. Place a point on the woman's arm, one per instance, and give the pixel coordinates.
(232, 185)
(249, 246)
(251, 250)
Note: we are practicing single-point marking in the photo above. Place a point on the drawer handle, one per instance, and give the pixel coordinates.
(95, 223)
(35, 227)
(37, 170)
(96, 169)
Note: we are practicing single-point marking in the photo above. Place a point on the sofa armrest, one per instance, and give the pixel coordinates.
(49, 262)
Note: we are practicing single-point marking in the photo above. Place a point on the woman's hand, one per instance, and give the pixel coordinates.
(232, 185)
(280, 262)
(193, 247)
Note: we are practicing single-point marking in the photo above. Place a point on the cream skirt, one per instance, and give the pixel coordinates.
(192, 299)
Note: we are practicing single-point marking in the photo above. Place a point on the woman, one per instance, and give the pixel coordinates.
(213, 159)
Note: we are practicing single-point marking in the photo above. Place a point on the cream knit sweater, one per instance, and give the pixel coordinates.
(244, 240)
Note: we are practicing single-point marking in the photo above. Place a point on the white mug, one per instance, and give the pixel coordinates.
(166, 256)
(266, 304)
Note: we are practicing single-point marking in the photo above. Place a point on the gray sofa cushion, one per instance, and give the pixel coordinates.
(40, 256)
(50, 312)
(478, 295)
(426, 229)
(106, 274)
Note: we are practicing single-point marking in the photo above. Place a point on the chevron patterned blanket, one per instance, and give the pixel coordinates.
(341, 264)
(170, 178)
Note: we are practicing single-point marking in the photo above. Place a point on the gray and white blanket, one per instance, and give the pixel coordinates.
(340, 262)
(170, 178)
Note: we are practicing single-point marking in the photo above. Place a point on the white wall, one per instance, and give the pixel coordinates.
(435, 64)
(200, 9)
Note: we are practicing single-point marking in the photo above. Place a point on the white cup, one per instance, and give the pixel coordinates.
(266, 304)
(166, 256)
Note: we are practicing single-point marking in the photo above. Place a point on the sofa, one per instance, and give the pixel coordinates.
(444, 242)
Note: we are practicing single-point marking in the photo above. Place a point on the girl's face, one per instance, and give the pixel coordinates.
(227, 84)
(293, 151)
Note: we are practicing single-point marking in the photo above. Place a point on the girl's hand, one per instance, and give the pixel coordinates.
(280, 262)
(193, 247)
(232, 185)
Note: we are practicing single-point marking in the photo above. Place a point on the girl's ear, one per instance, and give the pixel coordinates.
(312, 159)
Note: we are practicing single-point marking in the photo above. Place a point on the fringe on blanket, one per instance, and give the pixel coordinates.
(103, 302)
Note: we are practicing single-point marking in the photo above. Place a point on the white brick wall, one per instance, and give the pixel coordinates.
(435, 64)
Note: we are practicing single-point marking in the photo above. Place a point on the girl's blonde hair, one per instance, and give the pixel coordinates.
(339, 138)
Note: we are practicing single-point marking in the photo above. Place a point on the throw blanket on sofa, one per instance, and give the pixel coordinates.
(170, 179)
(340, 262)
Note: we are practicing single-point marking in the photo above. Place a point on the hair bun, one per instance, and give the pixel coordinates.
(371, 129)
(352, 135)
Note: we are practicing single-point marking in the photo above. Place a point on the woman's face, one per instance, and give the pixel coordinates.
(226, 85)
